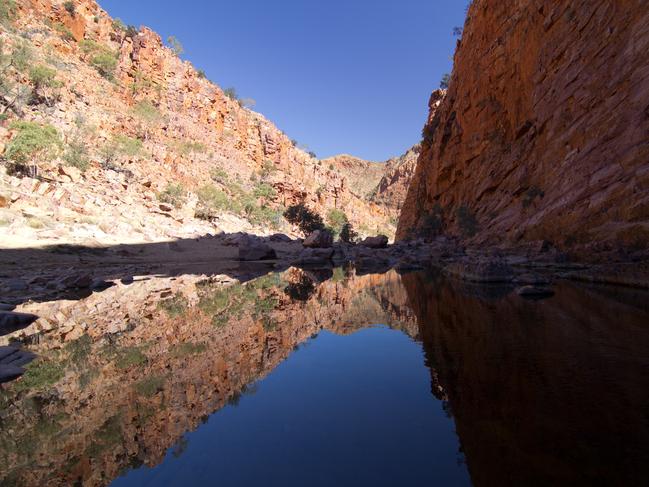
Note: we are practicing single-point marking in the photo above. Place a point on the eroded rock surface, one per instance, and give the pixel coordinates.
(543, 132)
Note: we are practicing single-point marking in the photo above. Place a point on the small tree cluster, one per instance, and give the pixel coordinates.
(11, 64)
(336, 219)
(100, 57)
(307, 220)
(348, 234)
(33, 144)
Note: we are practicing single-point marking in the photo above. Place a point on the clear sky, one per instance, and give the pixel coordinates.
(339, 76)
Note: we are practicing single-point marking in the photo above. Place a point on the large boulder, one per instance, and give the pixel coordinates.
(252, 250)
(378, 242)
(320, 239)
(315, 257)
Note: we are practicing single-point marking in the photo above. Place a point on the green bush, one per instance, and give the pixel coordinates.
(348, 234)
(211, 201)
(118, 24)
(7, 11)
(231, 93)
(336, 219)
(186, 148)
(76, 155)
(264, 190)
(33, 143)
(147, 112)
(307, 220)
(121, 146)
(175, 45)
(70, 8)
(100, 57)
(43, 77)
(174, 195)
(445, 82)
(64, 32)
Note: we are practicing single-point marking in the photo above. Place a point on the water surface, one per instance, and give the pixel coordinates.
(332, 378)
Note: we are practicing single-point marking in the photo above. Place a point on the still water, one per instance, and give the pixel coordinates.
(332, 378)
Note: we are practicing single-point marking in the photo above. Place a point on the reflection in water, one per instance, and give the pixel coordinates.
(541, 393)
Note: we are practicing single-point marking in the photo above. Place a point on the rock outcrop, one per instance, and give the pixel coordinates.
(228, 164)
(543, 132)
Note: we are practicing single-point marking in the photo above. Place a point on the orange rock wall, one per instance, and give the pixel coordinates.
(544, 131)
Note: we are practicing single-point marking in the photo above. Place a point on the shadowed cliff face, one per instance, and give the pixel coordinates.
(543, 131)
(542, 393)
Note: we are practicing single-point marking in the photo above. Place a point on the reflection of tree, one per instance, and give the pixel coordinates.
(301, 290)
(180, 447)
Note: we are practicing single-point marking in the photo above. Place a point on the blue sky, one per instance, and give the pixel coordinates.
(339, 76)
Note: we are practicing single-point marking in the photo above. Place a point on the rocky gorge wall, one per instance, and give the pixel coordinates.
(543, 133)
(192, 132)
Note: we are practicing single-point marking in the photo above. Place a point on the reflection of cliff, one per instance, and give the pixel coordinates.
(552, 393)
(160, 356)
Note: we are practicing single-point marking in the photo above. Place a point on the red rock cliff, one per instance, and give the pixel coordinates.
(544, 131)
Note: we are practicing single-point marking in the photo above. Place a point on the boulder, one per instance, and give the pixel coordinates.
(280, 237)
(252, 250)
(11, 322)
(72, 172)
(315, 257)
(165, 207)
(535, 292)
(378, 242)
(10, 372)
(321, 239)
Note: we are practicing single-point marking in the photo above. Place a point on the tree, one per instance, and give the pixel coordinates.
(13, 94)
(348, 234)
(445, 82)
(33, 143)
(175, 45)
(247, 103)
(231, 93)
(307, 220)
(336, 219)
(148, 115)
(42, 79)
(70, 8)
(7, 11)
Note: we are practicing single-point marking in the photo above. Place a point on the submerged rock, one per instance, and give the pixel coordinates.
(535, 292)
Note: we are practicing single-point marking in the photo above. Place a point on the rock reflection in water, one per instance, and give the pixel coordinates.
(542, 393)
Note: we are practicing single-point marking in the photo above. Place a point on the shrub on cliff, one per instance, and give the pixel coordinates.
(174, 195)
(70, 8)
(100, 57)
(307, 220)
(121, 146)
(33, 143)
(76, 154)
(336, 219)
(175, 45)
(445, 82)
(7, 11)
(148, 115)
(348, 234)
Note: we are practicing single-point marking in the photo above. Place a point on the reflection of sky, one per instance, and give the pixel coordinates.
(343, 410)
